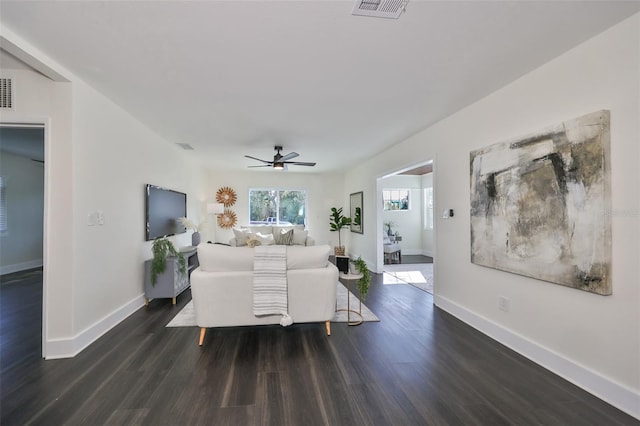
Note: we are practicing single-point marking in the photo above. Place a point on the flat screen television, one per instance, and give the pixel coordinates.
(163, 209)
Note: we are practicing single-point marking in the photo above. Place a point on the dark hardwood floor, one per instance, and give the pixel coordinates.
(417, 366)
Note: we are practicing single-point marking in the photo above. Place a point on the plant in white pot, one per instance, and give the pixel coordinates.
(189, 224)
(337, 221)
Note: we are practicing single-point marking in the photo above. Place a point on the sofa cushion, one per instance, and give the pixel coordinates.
(242, 236)
(300, 237)
(265, 239)
(263, 229)
(300, 257)
(283, 238)
(221, 258)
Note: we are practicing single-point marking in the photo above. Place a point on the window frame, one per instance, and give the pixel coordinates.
(397, 199)
(278, 190)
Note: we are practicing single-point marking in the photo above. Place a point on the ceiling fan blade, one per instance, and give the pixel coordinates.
(298, 163)
(254, 158)
(289, 156)
(264, 165)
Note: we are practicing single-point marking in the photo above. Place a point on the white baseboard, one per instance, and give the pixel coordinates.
(17, 267)
(618, 395)
(68, 348)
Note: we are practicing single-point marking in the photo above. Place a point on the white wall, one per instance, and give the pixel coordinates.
(21, 245)
(323, 192)
(592, 340)
(114, 157)
(98, 157)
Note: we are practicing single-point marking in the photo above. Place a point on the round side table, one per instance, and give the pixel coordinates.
(349, 278)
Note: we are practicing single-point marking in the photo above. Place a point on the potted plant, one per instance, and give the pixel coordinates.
(189, 224)
(163, 248)
(337, 222)
(365, 281)
(389, 224)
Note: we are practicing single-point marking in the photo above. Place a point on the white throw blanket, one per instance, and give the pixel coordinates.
(270, 282)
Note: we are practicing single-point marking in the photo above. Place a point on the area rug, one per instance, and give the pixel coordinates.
(419, 275)
(187, 317)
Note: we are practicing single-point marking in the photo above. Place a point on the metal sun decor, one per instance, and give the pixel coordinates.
(539, 205)
(227, 219)
(226, 196)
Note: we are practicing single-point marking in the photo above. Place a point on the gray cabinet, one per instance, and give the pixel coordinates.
(172, 282)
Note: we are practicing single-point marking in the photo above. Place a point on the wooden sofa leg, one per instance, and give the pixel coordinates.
(202, 333)
(327, 324)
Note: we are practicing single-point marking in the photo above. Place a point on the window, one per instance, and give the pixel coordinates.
(3, 204)
(395, 199)
(277, 206)
(428, 208)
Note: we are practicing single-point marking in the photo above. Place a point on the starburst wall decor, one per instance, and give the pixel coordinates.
(226, 196)
(227, 219)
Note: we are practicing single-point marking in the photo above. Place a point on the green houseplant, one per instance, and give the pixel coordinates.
(337, 221)
(163, 248)
(365, 281)
(389, 224)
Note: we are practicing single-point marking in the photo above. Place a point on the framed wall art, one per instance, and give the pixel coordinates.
(539, 205)
(356, 212)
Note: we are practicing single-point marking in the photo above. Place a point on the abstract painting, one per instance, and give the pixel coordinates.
(539, 205)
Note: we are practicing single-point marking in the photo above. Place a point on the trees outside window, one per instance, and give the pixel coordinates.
(277, 206)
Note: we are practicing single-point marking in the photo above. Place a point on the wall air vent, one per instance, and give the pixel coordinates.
(391, 9)
(6, 93)
(185, 146)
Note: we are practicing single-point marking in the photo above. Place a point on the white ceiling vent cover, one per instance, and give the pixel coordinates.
(185, 146)
(6, 93)
(391, 9)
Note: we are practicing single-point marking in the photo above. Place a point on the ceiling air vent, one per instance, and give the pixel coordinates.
(380, 8)
(6, 93)
(185, 146)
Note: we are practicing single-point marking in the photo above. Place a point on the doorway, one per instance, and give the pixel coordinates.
(407, 216)
(22, 186)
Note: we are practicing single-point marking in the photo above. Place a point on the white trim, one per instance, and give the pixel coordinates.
(68, 348)
(16, 267)
(616, 394)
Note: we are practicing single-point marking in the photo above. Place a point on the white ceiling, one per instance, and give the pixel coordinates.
(237, 77)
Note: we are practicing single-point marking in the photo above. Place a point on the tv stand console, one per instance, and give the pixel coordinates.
(171, 282)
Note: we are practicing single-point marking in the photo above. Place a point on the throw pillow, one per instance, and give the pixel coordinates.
(253, 241)
(284, 238)
(299, 237)
(265, 240)
(242, 236)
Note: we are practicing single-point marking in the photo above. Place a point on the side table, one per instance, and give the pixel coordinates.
(349, 278)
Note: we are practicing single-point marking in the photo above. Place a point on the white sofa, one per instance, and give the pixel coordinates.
(244, 233)
(222, 287)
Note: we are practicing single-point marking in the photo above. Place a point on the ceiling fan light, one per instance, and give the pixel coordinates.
(278, 166)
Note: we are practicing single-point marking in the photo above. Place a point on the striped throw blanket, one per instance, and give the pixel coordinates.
(270, 282)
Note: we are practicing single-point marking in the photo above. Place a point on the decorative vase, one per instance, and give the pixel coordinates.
(195, 238)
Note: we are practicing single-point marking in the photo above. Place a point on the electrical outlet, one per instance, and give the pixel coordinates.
(503, 303)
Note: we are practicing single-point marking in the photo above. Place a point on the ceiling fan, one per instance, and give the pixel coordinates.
(280, 161)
